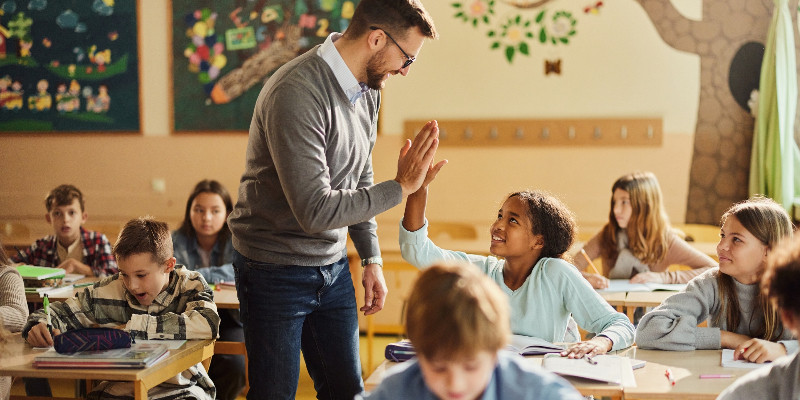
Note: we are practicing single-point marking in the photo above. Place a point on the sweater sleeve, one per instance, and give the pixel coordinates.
(590, 311)
(418, 250)
(682, 253)
(673, 324)
(13, 307)
(592, 249)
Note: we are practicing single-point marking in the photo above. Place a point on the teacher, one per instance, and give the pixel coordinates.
(307, 184)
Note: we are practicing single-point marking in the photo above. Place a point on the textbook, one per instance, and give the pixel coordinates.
(33, 272)
(139, 355)
(532, 346)
(604, 368)
(728, 361)
(624, 285)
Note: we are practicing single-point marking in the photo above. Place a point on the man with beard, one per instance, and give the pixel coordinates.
(308, 182)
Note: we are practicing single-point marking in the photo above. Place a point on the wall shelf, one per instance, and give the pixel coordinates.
(546, 132)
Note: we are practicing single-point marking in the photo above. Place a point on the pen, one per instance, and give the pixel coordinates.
(589, 260)
(21, 253)
(46, 302)
(668, 374)
(715, 376)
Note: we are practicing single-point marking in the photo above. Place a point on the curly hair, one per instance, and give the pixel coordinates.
(550, 218)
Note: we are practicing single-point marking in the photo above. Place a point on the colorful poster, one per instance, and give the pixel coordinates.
(68, 66)
(224, 50)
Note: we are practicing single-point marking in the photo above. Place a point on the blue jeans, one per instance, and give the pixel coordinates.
(288, 308)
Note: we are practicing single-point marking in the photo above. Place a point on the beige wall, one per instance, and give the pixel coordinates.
(607, 72)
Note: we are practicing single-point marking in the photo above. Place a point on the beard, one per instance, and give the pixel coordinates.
(376, 75)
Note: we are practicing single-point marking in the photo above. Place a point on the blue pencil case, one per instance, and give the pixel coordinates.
(89, 339)
(400, 351)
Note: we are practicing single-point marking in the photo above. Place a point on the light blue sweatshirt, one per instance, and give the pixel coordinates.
(541, 307)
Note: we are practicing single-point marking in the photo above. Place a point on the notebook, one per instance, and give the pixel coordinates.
(39, 273)
(611, 369)
(728, 361)
(624, 285)
(139, 355)
(532, 346)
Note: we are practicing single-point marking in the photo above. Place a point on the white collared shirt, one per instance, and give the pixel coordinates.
(353, 89)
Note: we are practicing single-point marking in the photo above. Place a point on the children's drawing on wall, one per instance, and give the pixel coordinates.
(61, 62)
(223, 51)
(729, 40)
(517, 26)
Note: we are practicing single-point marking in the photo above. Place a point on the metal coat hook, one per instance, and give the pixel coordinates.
(623, 132)
(468, 133)
(649, 131)
(493, 133)
(571, 132)
(442, 133)
(519, 133)
(545, 133)
(597, 134)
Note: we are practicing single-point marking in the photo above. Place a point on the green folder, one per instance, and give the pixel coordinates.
(39, 273)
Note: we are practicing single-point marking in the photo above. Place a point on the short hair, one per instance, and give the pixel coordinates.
(550, 218)
(395, 16)
(144, 235)
(456, 310)
(782, 277)
(63, 195)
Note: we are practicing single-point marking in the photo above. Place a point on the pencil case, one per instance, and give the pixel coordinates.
(89, 339)
(400, 351)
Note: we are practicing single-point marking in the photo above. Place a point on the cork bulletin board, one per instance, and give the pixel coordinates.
(69, 66)
(224, 50)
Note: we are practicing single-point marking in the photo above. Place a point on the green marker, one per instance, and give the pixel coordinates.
(47, 311)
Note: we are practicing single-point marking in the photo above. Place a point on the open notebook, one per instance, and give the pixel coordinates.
(606, 368)
(728, 361)
(532, 346)
(624, 285)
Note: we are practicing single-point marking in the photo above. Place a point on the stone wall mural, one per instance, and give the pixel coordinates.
(729, 39)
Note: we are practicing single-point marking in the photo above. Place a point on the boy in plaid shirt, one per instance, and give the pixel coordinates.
(70, 247)
(152, 296)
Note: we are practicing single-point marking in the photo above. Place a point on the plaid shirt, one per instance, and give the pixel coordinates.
(184, 310)
(96, 253)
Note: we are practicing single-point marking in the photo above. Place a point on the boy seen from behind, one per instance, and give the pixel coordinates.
(152, 297)
(71, 247)
(458, 321)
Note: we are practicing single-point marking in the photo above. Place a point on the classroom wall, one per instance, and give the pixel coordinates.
(616, 67)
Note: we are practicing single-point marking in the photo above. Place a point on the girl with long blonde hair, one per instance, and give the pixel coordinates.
(739, 316)
(638, 242)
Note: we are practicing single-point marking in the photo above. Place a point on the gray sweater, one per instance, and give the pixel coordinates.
(779, 380)
(308, 174)
(673, 324)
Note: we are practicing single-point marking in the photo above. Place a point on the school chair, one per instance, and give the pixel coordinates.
(14, 232)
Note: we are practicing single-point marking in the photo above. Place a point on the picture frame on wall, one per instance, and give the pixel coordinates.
(224, 50)
(69, 66)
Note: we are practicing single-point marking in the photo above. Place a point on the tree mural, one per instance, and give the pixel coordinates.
(727, 39)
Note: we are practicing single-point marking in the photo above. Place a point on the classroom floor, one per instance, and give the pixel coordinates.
(305, 387)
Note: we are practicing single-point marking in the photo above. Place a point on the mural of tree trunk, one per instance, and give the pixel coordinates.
(724, 39)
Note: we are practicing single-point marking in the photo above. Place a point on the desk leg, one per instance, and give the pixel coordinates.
(139, 390)
(630, 310)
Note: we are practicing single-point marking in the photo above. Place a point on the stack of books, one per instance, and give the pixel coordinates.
(139, 355)
(38, 278)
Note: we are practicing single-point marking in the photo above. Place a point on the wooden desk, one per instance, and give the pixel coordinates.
(18, 361)
(645, 299)
(584, 386)
(616, 299)
(686, 367)
(226, 298)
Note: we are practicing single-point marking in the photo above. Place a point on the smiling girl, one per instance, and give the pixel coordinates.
(638, 242)
(739, 316)
(532, 232)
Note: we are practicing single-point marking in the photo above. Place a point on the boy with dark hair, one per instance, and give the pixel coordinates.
(71, 247)
(152, 297)
(458, 320)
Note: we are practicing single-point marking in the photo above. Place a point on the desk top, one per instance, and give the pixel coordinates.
(18, 361)
(647, 299)
(686, 367)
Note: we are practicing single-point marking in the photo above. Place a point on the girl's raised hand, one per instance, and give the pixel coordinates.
(759, 351)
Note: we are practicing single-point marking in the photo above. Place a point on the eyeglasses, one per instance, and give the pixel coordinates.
(409, 59)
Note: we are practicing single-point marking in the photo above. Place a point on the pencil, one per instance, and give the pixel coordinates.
(589, 260)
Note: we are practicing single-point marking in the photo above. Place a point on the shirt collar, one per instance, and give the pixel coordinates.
(353, 89)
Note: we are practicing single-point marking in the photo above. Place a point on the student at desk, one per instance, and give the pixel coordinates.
(13, 309)
(203, 244)
(458, 321)
(779, 285)
(739, 316)
(152, 297)
(638, 242)
(71, 247)
(531, 234)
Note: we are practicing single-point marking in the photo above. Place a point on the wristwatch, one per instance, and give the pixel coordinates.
(372, 260)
